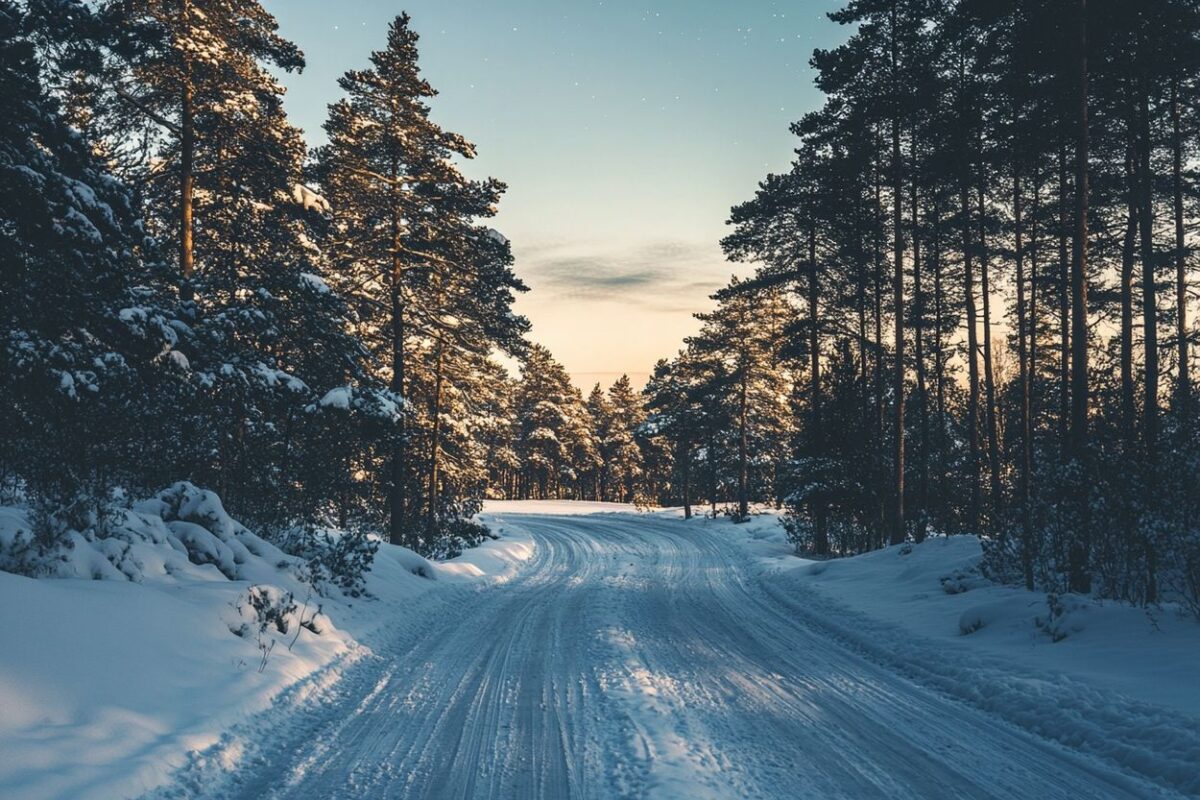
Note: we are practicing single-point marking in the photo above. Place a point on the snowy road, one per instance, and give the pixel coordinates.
(637, 656)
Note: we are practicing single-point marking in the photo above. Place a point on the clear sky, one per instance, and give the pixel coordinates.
(625, 130)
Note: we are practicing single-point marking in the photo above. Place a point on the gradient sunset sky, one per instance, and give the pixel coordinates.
(625, 131)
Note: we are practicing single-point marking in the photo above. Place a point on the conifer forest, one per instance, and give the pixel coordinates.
(285, 383)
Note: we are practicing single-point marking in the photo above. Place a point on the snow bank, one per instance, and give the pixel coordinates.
(496, 561)
(181, 623)
(1103, 678)
(935, 590)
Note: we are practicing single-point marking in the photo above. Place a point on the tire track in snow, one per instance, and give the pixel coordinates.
(637, 656)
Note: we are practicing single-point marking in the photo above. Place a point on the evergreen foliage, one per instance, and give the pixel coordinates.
(1027, 164)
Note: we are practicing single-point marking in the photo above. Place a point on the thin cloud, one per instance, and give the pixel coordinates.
(666, 276)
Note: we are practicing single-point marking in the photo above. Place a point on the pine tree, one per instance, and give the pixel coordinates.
(427, 284)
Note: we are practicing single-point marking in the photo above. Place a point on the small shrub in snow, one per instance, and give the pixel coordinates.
(334, 558)
(1064, 616)
(799, 531)
(261, 608)
(961, 581)
(459, 535)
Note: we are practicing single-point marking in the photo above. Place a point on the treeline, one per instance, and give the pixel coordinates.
(551, 442)
(986, 247)
(188, 292)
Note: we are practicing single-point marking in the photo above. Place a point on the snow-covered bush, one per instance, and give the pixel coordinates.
(459, 534)
(334, 558)
(261, 608)
(1065, 615)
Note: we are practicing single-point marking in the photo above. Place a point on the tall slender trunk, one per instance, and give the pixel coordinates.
(877, 393)
(919, 357)
(685, 475)
(1184, 387)
(989, 370)
(820, 530)
(972, 359)
(1023, 481)
(743, 446)
(1064, 304)
(187, 178)
(1149, 301)
(712, 472)
(1128, 253)
(435, 437)
(1035, 278)
(1078, 568)
(397, 500)
(878, 316)
(898, 526)
(939, 357)
(860, 270)
(1149, 314)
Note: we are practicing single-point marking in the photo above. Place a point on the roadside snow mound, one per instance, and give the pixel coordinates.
(181, 535)
(162, 628)
(1100, 677)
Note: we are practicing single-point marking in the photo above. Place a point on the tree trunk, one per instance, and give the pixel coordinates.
(685, 473)
(187, 153)
(1078, 568)
(972, 361)
(939, 357)
(743, 446)
(397, 500)
(1184, 387)
(820, 532)
(989, 369)
(1128, 248)
(1064, 305)
(1033, 251)
(1023, 480)
(877, 393)
(898, 526)
(922, 520)
(435, 445)
(712, 473)
(1149, 316)
(1149, 301)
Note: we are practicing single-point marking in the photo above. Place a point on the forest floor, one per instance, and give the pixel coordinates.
(638, 655)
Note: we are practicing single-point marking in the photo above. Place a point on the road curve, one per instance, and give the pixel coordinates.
(638, 656)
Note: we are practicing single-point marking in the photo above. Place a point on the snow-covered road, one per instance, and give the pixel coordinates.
(638, 656)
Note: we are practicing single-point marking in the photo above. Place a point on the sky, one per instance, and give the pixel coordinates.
(625, 131)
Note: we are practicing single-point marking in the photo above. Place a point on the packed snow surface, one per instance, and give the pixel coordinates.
(639, 655)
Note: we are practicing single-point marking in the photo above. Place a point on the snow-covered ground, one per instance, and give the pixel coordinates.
(598, 651)
(106, 686)
(934, 591)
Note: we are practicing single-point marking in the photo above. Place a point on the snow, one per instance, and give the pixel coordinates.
(593, 649)
(309, 200)
(338, 397)
(638, 655)
(179, 360)
(110, 686)
(315, 282)
(934, 590)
